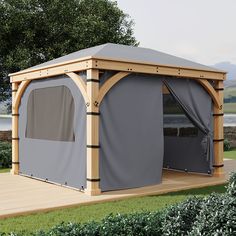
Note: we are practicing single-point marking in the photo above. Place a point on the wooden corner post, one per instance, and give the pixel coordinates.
(15, 137)
(93, 180)
(218, 114)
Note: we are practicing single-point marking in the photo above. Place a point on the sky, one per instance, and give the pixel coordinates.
(200, 30)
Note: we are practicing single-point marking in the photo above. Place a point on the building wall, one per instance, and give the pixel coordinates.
(5, 135)
(230, 134)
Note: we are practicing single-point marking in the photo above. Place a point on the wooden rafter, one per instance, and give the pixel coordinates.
(211, 91)
(109, 84)
(81, 85)
(20, 91)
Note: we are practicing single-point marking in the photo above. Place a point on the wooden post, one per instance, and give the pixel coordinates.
(93, 180)
(15, 137)
(219, 131)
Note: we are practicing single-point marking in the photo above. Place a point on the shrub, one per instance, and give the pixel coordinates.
(146, 223)
(217, 216)
(227, 145)
(178, 219)
(231, 187)
(142, 224)
(5, 154)
(218, 213)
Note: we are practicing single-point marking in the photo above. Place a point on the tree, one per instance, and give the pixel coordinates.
(35, 31)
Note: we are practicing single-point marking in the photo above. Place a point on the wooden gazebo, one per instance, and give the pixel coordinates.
(124, 60)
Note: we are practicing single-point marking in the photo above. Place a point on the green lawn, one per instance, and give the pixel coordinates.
(230, 108)
(230, 154)
(230, 92)
(96, 212)
(4, 170)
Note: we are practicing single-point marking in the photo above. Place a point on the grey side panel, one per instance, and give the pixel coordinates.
(192, 153)
(131, 134)
(185, 153)
(50, 114)
(58, 161)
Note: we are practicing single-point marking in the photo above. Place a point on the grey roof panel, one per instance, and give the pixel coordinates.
(131, 54)
(72, 56)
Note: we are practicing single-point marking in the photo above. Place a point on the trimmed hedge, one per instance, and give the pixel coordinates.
(227, 145)
(5, 154)
(211, 215)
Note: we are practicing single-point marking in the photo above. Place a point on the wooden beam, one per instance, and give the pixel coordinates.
(15, 140)
(17, 92)
(212, 92)
(180, 72)
(118, 65)
(81, 85)
(109, 84)
(51, 71)
(218, 132)
(20, 91)
(93, 183)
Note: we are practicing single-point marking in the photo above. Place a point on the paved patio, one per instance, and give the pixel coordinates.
(21, 195)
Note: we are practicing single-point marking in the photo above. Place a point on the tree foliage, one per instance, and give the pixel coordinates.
(35, 31)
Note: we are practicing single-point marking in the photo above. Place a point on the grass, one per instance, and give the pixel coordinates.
(5, 170)
(96, 212)
(230, 154)
(230, 92)
(230, 108)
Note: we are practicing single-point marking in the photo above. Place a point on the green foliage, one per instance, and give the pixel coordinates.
(35, 31)
(178, 219)
(5, 155)
(227, 145)
(217, 216)
(231, 188)
(134, 224)
(144, 223)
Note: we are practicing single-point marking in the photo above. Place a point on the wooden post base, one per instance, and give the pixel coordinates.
(93, 192)
(93, 188)
(14, 171)
(219, 172)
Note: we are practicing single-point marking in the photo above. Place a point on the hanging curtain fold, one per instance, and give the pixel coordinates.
(197, 105)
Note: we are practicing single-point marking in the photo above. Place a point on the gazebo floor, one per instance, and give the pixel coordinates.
(21, 195)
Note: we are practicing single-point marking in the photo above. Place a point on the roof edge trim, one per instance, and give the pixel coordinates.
(115, 60)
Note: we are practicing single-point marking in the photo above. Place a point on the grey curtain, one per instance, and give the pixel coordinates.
(197, 105)
(53, 112)
(131, 133)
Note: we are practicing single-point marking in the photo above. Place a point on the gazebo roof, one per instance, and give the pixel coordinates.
(118, 52)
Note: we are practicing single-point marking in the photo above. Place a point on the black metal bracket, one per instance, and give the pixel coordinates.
(218, 140)
(219, 89)
(15, 114)
(93, 113)
(15, 138)
(219, 114)
(93, 180)
(93, 80)
(221, 165)
(93, 146)
(15, 162)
